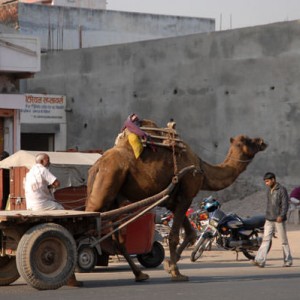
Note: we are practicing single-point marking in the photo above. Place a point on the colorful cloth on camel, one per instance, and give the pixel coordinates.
(134, 128)
(135, 144)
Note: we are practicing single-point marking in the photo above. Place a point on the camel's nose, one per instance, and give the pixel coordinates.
(263, 145)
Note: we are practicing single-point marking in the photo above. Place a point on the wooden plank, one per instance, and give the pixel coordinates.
(159, 129)
(160, 137)
(2, 201)
(17, 181)
(28, 214)
(4, 113)
(72, 197)
(166, 145)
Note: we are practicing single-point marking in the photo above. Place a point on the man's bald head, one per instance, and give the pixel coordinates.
(43, 159)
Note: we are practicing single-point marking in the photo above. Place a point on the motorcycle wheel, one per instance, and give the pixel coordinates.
(201, 245)
(250, 254)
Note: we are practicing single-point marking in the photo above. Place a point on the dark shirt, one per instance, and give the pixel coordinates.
(278, 203)
(295, 193)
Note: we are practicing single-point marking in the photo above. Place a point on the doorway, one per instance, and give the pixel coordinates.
(37, 141)
(7, 130)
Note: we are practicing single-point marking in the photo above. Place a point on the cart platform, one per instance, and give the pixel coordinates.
(21, 216)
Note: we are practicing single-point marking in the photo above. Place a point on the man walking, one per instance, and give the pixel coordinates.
(277, 207)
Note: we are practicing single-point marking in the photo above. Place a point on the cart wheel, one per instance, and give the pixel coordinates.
(154, 258)
(8, 268)
(87, 259)
(46, 256)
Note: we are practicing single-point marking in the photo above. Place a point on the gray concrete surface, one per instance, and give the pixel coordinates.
(216, 85)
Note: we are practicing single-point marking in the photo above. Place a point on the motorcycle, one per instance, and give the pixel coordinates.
(163, 225)
(199, 220)
(231, 233)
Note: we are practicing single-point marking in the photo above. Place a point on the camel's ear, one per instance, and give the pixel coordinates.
(231, 140)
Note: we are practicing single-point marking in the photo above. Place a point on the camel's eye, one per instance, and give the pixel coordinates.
(243, 140)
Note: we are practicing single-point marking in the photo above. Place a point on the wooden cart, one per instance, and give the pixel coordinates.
(42, 246)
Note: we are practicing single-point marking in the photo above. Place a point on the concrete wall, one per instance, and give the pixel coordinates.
(72, 28)
(6, 29)
(92, 4)
(19, 53)
(216, 85)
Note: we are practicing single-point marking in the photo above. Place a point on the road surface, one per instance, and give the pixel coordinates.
(216, 276)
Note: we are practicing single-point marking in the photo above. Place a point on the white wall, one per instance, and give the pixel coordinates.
(72, 28)
(92, 4)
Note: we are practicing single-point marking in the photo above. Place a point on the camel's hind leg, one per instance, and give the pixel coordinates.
(171, 265)
(104, 184)
(189, 238)
(139, 275)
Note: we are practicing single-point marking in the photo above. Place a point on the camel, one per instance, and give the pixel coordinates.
(119, 175)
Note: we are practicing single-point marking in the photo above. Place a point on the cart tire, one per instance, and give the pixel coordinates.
(87, 259)
(46, 256)
(8, 268)
(154, 258)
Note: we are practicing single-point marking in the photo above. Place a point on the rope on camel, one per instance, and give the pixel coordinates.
(171, 134)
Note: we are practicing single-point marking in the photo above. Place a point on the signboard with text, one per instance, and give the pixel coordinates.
(44, 109)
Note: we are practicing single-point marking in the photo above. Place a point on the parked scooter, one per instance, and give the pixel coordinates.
(230, 232)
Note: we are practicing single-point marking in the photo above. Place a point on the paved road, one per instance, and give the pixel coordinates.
(217, 276)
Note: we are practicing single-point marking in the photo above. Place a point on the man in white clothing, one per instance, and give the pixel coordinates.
(38, 182)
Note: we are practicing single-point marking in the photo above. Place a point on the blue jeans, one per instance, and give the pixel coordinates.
(269, 230)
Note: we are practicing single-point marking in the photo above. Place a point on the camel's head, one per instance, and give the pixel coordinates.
(249, 147)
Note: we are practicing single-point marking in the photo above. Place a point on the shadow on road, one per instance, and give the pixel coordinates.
(192, 280)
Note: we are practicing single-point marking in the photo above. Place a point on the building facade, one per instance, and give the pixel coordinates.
(65, 27)
(63, 24)
(19, 59)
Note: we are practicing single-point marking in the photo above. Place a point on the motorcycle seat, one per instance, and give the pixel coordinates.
(254, 222)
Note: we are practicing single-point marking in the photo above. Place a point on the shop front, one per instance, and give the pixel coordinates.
(43, 123)
(10, 106)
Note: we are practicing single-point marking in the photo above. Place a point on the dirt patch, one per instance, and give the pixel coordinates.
(249, 206)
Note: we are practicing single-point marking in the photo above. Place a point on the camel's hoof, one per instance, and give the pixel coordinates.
(141, 277)
(180, 277)
(167, 266)
(74, 282)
